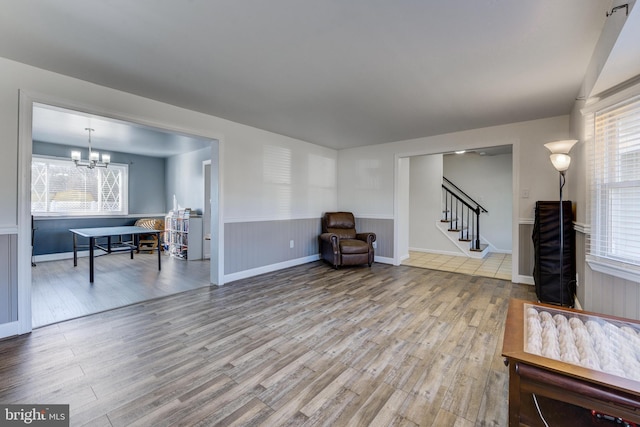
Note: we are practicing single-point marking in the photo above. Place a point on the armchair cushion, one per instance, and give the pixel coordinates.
(342, 224)
(351, 246)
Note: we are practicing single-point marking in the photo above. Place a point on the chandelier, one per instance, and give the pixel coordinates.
(94, 156)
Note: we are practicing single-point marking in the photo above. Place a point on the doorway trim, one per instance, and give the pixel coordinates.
(25, 148)
(208, 203)
(515, 208)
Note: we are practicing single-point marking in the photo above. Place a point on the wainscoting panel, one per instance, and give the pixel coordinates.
(611, 295)
(250, 245)
(601, 292)
(384, 234)
(8, 278)
(52, 235)
(580, 267)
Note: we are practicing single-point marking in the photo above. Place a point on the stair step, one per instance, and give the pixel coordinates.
(482, 248)
(457, 230)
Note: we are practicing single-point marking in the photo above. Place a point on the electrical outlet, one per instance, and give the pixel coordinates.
(375, 245)
(291, 244)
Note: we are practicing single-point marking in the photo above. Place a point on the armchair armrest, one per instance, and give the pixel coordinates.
(330, 238)
(366, 237)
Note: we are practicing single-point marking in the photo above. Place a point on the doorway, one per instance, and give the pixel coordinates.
(484, 173)
(134, 141)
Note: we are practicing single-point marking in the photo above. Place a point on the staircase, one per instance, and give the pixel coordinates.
(460, 220)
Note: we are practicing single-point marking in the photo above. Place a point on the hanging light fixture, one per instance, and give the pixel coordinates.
(94, 156)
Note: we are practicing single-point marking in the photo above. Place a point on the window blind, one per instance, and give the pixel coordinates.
(58, 187)
(615, 186)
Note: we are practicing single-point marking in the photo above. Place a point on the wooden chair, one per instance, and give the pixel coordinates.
(149, 242)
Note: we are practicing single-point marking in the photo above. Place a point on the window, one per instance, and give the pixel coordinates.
(58, 187)
(615, 187)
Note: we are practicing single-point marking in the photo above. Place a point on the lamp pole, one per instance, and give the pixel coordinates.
(561, 161)
(562, 181)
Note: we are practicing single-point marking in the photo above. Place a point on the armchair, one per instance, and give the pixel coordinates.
(341, 245)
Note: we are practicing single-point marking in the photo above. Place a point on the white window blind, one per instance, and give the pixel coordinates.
(58, 187)
(615, 186)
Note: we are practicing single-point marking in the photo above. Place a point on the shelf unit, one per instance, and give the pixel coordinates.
(183, 235)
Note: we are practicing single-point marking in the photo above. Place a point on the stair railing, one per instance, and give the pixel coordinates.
(457, 205)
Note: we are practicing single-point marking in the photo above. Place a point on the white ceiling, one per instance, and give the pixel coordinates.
(334, 72)
(67, 127)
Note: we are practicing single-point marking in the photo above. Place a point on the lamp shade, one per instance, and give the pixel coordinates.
(561, 147)
(561, 161)
(560, 153)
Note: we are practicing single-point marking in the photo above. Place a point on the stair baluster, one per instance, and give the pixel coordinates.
(463, 202)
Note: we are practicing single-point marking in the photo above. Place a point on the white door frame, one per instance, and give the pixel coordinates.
(25, 147)
(515, 208)
(208, 203)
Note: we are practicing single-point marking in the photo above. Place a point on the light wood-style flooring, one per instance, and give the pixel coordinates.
(60, 291)
(306, 346)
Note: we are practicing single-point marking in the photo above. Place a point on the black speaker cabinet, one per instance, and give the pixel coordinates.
(547, 253)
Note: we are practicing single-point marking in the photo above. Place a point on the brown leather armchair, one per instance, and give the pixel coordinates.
(341, 245)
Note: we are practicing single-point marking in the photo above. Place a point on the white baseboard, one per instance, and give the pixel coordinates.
(383, 260)
(282, 265)
(438, 252)
(526, 280)
(501, 251)
(269, 268)
(9, 329)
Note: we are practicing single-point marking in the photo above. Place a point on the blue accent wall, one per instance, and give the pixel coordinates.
(52, 236)
(147, 198)
(147, 186)
(185, 179)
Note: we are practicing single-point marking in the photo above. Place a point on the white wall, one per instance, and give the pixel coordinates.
(272, 177)
(425, 204)
(245, 187)
(488, 180)
(184, 179)
(366, 174)
(246, 191)
(404, 180)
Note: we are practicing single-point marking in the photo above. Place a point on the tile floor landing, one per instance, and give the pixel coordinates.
(493, 265)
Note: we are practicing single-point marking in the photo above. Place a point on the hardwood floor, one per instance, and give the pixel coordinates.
(307, 346)
(60, 291)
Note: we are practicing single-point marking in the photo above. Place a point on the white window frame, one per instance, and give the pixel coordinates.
(625, 269)
(124, 191)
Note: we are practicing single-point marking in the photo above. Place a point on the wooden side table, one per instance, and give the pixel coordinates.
(569, 391)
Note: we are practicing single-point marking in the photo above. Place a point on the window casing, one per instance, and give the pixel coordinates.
(615, 188)
(59, 188)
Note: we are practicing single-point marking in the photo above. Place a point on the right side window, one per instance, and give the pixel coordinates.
(615, 187)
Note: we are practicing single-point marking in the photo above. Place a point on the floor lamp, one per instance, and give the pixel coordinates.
(561, 161)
